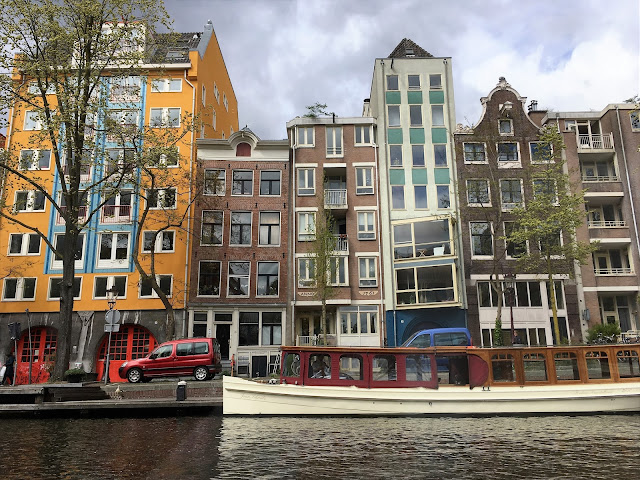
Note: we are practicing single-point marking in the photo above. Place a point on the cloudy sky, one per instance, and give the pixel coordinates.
(283, 55)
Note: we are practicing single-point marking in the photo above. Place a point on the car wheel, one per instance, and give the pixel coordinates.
(134, 375)
(201, 373)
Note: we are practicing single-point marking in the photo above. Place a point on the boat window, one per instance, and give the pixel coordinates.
(566, 366)
(291, 365)
(452, 369)
(350, 367)
(319, 366)
(418, 368)
(597, 365)
(503, 367)
(535, 367)
(421, 341)
(384, 368)
(628, 363)
(451, 338)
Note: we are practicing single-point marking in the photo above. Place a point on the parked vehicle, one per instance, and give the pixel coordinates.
(437, 337)
(199, 357)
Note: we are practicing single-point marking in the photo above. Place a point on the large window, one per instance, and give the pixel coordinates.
(334, 141)
(394, 115)
(442, 191)
(417, 155)
(421, 239)
(420, 198)
(338, 271)
(305, 136)
(164, 117)
(242, 183)
(306, 181)
(113, 249)
(165, 282)
(103, 284)
(125, 89)
(478, 192)
(19, 289)
(58, 241)
(270, 182)
(514, 250)
(306, 226)
(209, 279)
(481, 239)
(249, 328)
(415, 115)
(239, 279)
(214, 182)
(159, 242)
(508, 152)
(268, 273)
(35, 159)
(161, 198)
(540, 152)
(510, 193)
(395, 155)
(526, 294)
(397, 197)
(54, 288)
(425, 285)
(166, 85)
(117, 209)
(251, 324)
(271, 328)
(392, 82)
(363, 135)
(474, 153)
(240, 228)
(24, 244)
(366, 226)
(32, 120)
(269, 228)
(28, 201)
(211, 232)
(306, 272)
(440, 155)
(358, 320)
(367, 272)
(364, 181)
(437, 115)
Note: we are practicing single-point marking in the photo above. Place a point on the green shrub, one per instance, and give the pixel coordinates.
(603, 333)
(74, 372)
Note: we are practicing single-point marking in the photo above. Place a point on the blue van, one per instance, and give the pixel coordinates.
(437, 337)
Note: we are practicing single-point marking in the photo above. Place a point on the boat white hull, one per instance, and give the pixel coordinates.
(245, 397)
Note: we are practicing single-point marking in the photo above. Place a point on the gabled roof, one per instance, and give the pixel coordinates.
(174, 47)
(408, 48)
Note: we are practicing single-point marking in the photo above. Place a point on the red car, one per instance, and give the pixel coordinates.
(199, 357)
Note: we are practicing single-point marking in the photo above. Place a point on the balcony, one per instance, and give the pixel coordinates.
(595, 142)
(115, 214)
(612, 271)
(606, 224)
(335, 198)
(82, 215)
(316, 340)
(342, 244)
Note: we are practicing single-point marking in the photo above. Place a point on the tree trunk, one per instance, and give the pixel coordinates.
(63, 346)
(554, 307)
(323, 321)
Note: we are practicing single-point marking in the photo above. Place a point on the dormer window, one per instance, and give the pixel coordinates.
(243, 150)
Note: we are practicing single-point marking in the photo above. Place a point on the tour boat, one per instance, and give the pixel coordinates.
(464, 381)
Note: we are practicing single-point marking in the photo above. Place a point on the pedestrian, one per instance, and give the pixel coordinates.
(8, 374)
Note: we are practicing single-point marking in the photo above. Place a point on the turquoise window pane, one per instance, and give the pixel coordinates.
(414, 97)
(394, 135)
(439, 135)
(441, 176)
(419, 176)
(436, 97)
(416, 135)
(393, 98)
(396, 176)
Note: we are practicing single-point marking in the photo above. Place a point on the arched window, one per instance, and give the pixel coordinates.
(243, 150)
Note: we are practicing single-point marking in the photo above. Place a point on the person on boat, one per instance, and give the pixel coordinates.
(320, 368)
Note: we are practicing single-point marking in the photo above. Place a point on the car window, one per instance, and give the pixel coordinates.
(421, 341)
(184, 349)
(164, 351)
(200, 348)
(454, 338)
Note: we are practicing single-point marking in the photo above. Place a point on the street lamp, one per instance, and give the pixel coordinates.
(111, 317)
(510, 287)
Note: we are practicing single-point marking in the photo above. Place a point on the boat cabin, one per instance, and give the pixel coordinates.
(459, 366)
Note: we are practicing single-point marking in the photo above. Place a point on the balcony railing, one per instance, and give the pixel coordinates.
(82, 214)
(606, 223)
(600, 178)
(115, 214)
(613, 271)
(342, 244)
(596, 142)
(85, 172)
(335, 198)
(316, 340)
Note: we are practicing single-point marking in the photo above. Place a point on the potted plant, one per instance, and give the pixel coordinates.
(74, 375)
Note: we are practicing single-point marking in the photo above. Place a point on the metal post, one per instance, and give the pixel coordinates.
(106, 373)
(30, 350)
(15, 361)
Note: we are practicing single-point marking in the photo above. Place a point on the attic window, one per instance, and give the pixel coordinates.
(409, 52)
(174, 54)
(243, 150)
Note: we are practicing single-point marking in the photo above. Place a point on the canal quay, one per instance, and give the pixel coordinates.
(120, 399)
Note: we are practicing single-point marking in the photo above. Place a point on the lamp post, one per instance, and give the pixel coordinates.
(510, 284)
(111, 318)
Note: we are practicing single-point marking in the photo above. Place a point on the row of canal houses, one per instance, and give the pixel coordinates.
(406, 188)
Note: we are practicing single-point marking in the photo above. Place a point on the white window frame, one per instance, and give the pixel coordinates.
(216, 92)
(111, 280)
(342, 263)
(464, 153)
(511, 205)
(309, 185)
(243, 276)
(509, 163)
(475, 255)
(364, 278)
(231, 224)
(225, 102)
(448, 187)
(163, 85)
(506, 242)
(306, 226)
(159, 241)
(30, 201)
(165, 117)
(366, 233)
(308, 280)
(153, 292)
(359, 311)
(161, 194)
(79, 262)
(426, 196)
(31, 120)
(279, 184)
(214, 119)
(336, 134)
(414, 108)
(131, 89)
(367, 187)
(162, 158)
(199, 278)
(399, 121)
(269, 226)
(221, 182)
(233, 173)
(540, 162)
(113, 262)
(634, 119)
(303, 134)
(24, 244)
(52, 279)
(435, 108)
(258, 277)
(33, 89)
(414, 87)
(19, 289)
(404, 199)
(433, 77)
(510, 123)
(202, 223)
(362, 130)
(204, 95)
(555, 188)
(34, 164)
(476, 204)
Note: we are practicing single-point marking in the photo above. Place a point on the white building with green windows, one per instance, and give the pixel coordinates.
(413, 103)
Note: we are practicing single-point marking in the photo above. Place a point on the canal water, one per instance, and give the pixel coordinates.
(213, 447)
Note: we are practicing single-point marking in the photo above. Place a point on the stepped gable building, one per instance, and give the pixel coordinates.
(413, 103)
(239, 266)
(494, 158)
(602, 154)
(187, 79)
(335, 171)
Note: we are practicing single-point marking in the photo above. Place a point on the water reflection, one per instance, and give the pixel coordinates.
(299, 448)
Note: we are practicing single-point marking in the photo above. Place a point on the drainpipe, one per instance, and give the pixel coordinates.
(383, 322)
(187, 262)
(292, 236)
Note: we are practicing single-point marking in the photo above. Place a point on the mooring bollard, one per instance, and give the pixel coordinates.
(181, 391)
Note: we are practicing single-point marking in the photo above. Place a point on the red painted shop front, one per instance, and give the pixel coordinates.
(42, 355)
(132, 341)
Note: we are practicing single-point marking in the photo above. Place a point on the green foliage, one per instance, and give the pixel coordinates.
(498, 340)
(603, 333)
(74, 372)
(316, 110)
